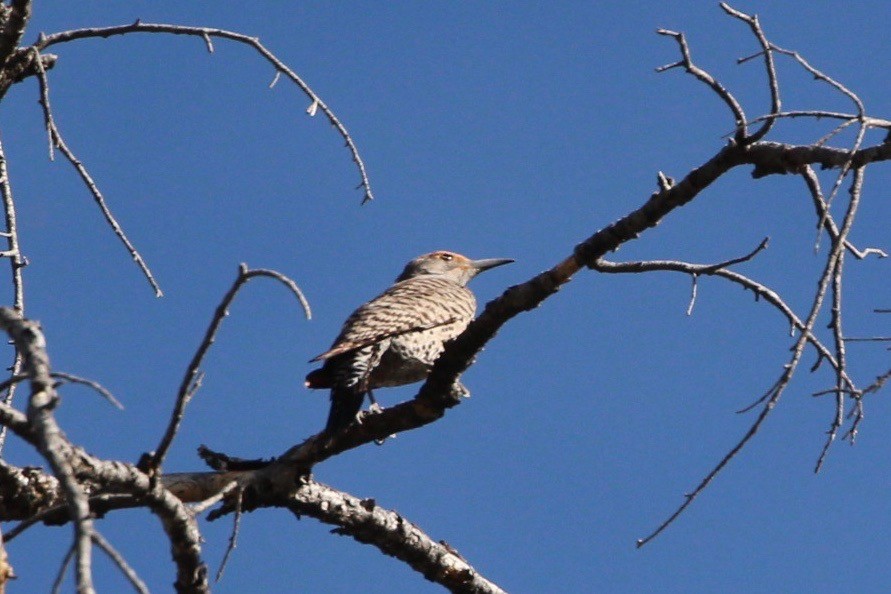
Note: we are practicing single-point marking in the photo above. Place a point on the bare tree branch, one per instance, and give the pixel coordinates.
(366, 522)
(68, 462)
(63, 568)
(121, 563)
(841, 386)
(775, 104)
(233, 537)
(6, 572)
(16, 262)
(56, 140)
(191, 379)
(96, 386)
(813, 186)
(789, 369)
(206, 33)
(30, 342)
(14, 18)
(687, 62)
(761, 292)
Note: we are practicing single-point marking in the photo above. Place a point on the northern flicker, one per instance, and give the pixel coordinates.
(395, 338)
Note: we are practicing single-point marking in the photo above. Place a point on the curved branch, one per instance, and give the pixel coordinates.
(205, 33)
(761, 292)
(775, 103)
(772, 397)
(192, 379)
(726, 96)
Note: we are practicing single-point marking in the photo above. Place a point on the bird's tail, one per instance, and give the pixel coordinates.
(345, 405)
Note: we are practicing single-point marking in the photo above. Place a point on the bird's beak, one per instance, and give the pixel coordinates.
(481, 265)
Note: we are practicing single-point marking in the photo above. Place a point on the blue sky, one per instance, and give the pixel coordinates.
(496, 130)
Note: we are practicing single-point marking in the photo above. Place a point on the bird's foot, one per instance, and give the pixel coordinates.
(376, 409)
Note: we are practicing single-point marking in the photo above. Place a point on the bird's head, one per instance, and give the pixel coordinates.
(450, 265)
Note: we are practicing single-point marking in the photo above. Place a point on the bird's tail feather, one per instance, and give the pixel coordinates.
(345, 405)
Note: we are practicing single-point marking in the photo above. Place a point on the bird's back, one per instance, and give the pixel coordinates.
(428, 306)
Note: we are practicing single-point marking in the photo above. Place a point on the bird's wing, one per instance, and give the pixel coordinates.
(413, 305)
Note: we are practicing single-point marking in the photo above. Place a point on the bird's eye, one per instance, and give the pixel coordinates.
(445, 256)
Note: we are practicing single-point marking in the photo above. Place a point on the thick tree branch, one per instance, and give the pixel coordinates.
(50, 440)
(366, 522)
(14, 19)
(78, 472)
(26, 492)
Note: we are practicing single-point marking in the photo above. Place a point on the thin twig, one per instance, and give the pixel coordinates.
(775, 103)
(848, 119)
(788, 369)
(56, 139)
(813, 185)
(693, 289)
(207, 33)
(99, 388)
(63, 568)
(190, 380)
(857, 412)
(686, 61)
(74, 379)
(819, 75)
(16, 263)
(202, 506)
(761, 292)
(846, 167)
(122, 564)
(233, 537)
(841, 388)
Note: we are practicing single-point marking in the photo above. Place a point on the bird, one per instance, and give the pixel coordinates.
(395, 338)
